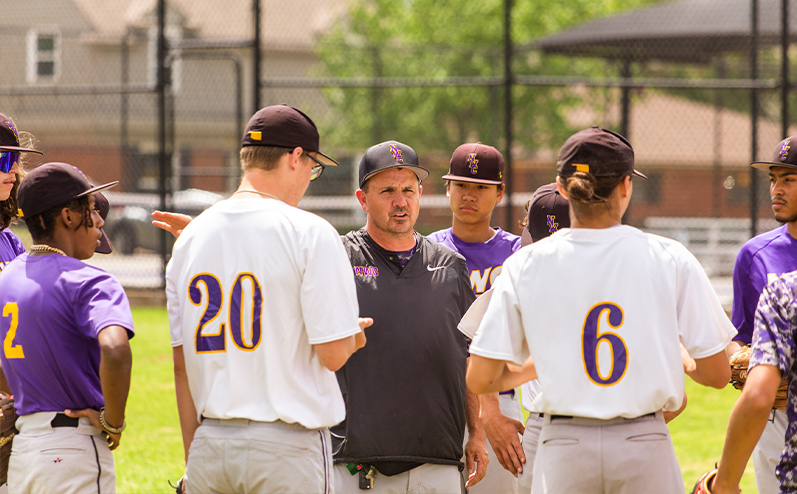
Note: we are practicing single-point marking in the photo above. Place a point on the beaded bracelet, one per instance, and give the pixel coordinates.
(107, 428)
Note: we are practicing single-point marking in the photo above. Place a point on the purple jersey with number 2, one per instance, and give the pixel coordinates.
(484, 259)
(55, 307)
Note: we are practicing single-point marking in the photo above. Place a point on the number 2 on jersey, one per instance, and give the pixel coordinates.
(214, 302)
(9, 348)
(591, 339)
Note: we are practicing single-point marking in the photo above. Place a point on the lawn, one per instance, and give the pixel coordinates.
(151, 450)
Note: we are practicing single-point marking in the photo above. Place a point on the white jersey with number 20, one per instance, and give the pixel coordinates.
(602, 312)
(251, 286)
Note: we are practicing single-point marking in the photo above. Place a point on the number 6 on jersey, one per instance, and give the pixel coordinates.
(592, 338)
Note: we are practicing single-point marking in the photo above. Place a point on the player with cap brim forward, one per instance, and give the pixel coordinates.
(262, 310)
(602, 332)
(66, 326)
(474, 186)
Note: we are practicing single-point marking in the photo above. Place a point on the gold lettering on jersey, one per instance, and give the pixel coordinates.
(366, 271)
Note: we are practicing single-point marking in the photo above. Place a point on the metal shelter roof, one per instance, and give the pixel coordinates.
(692, 31)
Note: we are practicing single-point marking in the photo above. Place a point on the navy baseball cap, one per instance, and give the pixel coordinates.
(51, 185)
(785, 155)
(9, 137)
(599, 152)
(477, 163)
(390, 154)
(284, 126)
(549, 212)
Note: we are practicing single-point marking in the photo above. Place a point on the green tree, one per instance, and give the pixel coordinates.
(452, 38)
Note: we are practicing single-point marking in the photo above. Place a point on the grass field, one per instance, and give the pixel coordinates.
(151, 450)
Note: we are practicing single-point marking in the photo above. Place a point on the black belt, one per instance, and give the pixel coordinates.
(63, 420)
(554, 417)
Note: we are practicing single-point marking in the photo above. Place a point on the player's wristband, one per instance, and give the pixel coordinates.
(107, 428)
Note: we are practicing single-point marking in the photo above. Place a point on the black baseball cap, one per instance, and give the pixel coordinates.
(549, 212)
(9, 137)
(599, 152)
(390, 154)
(51, 185)
(102, 205)
(478, 163)
(284, 126)
(785, 155)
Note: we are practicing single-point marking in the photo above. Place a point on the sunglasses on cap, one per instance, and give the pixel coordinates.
(318, 169)
(8, 159)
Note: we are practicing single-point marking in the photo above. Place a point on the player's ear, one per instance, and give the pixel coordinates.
(67, 217)
(560, 186)
(500, 194)
(362, 199)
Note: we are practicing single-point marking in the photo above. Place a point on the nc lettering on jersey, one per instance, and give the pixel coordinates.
(366, 271)
(482, 281)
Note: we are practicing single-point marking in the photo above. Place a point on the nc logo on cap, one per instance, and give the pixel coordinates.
(784, 150)
(13, 129)
(553, 226)
(396, 152)
(473, 163)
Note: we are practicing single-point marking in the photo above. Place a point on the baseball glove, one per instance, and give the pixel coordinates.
(701, 487)
(8, 418)
(740, 361)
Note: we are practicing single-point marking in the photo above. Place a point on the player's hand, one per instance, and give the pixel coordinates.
(173, 223)
(504, 436)
(94, 418)
(669, 416)
(359, 338)
(689, 362)
(476, 458)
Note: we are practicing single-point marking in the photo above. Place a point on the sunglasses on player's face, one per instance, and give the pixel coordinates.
(318, 169)
(7, 161)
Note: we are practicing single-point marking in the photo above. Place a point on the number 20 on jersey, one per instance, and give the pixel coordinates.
(216, 341)
(592, 338)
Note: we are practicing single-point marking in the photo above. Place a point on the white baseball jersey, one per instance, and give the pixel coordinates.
(251, 286)
(602, 311)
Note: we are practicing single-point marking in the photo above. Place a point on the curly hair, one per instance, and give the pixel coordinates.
(42, 226)
(9, 209)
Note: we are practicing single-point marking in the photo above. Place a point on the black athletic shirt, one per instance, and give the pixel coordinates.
(405, 390)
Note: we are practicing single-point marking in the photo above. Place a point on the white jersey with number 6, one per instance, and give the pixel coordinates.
(251, 286)
(602, 312)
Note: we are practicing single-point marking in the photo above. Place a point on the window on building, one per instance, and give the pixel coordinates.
(44, 56)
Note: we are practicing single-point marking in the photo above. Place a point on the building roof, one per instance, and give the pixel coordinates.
(229, 21)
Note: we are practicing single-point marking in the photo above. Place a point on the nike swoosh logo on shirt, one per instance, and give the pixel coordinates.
(430, 268)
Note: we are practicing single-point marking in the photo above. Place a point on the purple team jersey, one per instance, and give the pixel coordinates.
(56, 307)
(484, 259)
(774, 344)
(762, 259)
(10, 247)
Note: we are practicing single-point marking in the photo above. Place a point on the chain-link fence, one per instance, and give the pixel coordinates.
(155, 94)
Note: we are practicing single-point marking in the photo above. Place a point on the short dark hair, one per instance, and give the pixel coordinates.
(42, 226)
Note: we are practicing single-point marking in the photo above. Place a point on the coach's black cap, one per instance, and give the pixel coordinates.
(9, 137)
(548, 213)
(784, 155)
(597, 151)
(478, 163)
(284, 126)
(102, 205)
(390, 154)
(51, 185)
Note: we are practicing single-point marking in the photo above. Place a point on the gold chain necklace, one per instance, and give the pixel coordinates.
(264, 194)
(47, 248)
